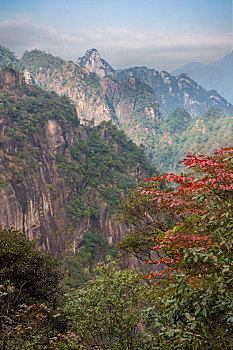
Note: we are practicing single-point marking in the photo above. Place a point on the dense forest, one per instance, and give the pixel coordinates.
(180, 134)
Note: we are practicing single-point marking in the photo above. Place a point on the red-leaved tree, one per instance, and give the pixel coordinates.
(205, 194)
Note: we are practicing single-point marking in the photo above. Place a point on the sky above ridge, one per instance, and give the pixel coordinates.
(160, 34)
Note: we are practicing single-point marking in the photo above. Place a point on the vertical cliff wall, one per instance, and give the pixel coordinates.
(59, 179)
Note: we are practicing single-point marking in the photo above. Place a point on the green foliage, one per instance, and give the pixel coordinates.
(48, 70)
(177, 121)
(106, 313)
(195, 303)
(25, 111)
(33, 273)
(82, 206)
(94, 249)
(37, 61)
(29, 295)
(144, 222)
(28, 107)
(196, 307)
(140, 111)
(103, 162)
(7, 57)
(180, 134)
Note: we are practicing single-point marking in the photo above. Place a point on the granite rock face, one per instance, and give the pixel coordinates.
(80, 85)
(33, 191)
(129, 104)
(11, 80)
(135, 107)
(170, 91)
(95, 64)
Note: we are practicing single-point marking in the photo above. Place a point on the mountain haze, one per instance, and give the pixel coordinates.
(170, 91)
(191, 118)
(217, 75)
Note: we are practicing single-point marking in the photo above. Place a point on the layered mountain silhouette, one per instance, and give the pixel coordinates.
(170, 116)
(217, 75)
(170, 91)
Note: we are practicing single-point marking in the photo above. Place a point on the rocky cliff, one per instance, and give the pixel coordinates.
(59, 179)
(95, 64)
(130, 104)
(66, 78)
(170, 91)
(135, 107)
(217, 75)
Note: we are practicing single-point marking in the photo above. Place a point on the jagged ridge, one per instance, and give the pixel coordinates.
(170, 91)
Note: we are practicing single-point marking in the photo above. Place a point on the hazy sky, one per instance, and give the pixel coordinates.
(163, 34)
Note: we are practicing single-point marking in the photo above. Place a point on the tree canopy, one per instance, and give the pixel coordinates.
(108, 312)
(195, 302)
(29, 294)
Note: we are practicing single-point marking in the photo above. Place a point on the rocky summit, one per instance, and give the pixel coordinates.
(95, 64)
(170, 91)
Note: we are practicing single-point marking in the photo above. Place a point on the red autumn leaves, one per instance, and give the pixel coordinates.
(209, 178)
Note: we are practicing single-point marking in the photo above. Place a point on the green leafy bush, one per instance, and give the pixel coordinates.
(107, 312)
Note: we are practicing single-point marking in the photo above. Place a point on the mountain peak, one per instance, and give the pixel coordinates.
(95, 64)
(91, 52)
(216, 75)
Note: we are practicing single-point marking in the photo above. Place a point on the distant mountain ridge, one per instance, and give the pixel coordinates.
(170, 91)
(131, 104)
(217, 75)
(169, 123)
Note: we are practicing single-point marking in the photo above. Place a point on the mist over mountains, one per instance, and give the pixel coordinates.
(217, 75)
(170, 116)
(170, 91)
